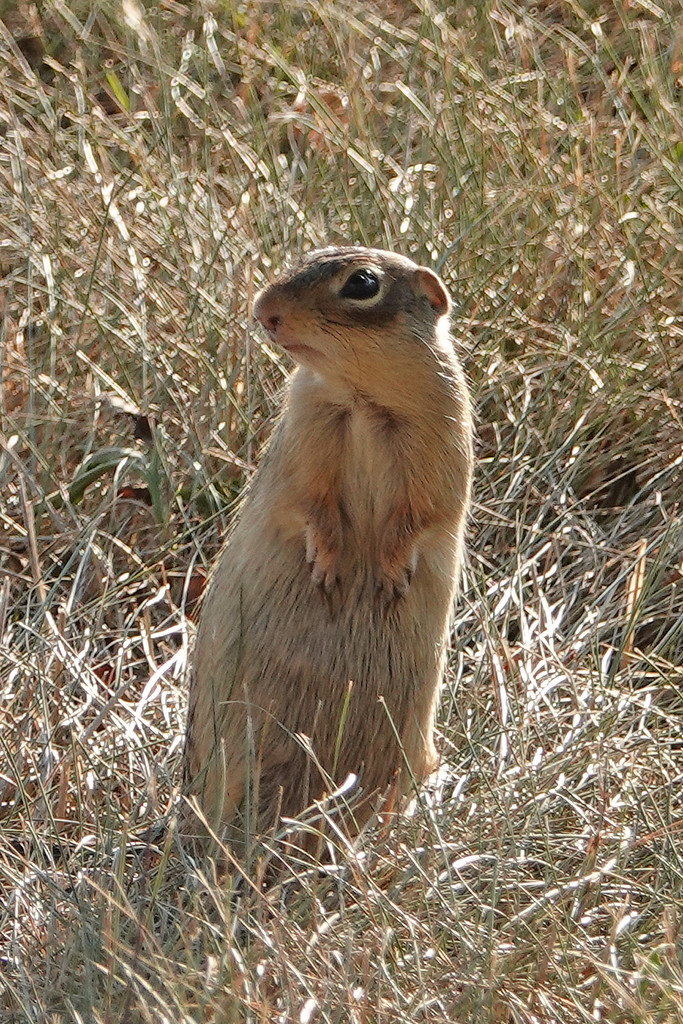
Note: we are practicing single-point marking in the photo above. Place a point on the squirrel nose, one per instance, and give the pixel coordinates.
(271, 323)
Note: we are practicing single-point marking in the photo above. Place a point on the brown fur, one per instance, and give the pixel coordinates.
(343, 565)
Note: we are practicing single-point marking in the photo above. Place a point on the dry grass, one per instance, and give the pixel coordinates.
(154, 167)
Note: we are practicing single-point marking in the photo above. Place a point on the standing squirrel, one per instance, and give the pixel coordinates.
(322, 639)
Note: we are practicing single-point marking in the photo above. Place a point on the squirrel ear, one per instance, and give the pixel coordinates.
(433, 288)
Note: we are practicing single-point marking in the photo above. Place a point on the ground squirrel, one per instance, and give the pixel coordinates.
(323, 633)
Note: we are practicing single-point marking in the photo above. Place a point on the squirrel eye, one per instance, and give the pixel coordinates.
(363, 284)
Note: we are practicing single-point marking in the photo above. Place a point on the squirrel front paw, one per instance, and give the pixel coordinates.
(394, 583)
(323, 560)
(324, 538)
(397, 563)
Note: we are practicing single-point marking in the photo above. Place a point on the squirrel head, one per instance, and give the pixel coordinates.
(349, 312)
